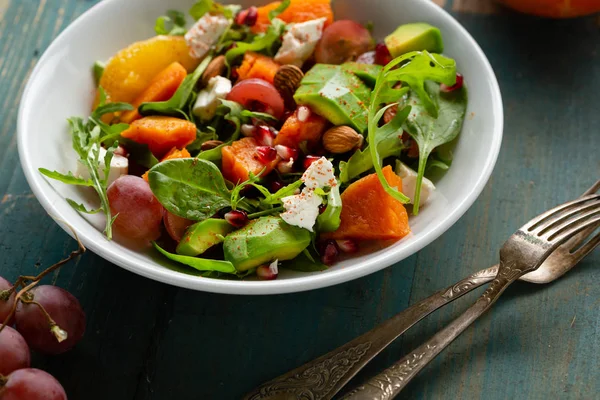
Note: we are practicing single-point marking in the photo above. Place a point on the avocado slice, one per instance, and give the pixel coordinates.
(203, 235)
(414, 37)
(367, 73)
(263, 240)
(335, 94)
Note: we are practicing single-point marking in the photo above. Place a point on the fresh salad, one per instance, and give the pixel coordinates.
(268, 137)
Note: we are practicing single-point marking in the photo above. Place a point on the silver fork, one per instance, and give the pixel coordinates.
(323, 377)
(523, 253)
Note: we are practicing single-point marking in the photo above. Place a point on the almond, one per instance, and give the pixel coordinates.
(211, 144)
(287, 81)
(341, 139)
(216, 67)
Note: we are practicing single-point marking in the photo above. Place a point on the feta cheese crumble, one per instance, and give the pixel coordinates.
(319, 174)
(205, 33)
(207, 101)
(299, 42)
(302, 209)
(273, 267)
(409, 183)
(118, 166)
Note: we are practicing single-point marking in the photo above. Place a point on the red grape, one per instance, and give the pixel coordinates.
(254, 90)
(31, 384)
(343, 41)
(64, 309)
(14, 351)
(6, 305)
(140, 214)
(176, 226)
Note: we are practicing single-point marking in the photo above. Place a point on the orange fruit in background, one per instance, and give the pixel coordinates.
(554, 8)
(297, 11)
(132, 69)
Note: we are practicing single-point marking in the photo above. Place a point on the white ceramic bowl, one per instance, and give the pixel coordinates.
(61, 86)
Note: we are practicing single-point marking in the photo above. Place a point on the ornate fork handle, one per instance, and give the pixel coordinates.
(388, 384)
(323, 377)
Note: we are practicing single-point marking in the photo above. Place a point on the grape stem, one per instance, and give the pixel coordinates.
(3, 381)
(33, 281)
(53, 325)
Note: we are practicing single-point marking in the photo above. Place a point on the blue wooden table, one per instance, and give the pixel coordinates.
(147, 340)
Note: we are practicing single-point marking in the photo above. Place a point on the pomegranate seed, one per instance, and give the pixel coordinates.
(240, 19)
(308, 160)
(348, 245)
(234, 75)
(266, 154)
(303, 113)
(285, 167)
(237, 218)
(120, 151)
(275, 186)
(329, 252)
(366, 58)
(268, 272)
(247, 130)
(251, 16)
(286, 153)
(264, 136)
(382, 54)
(457, 85)
(322, 208)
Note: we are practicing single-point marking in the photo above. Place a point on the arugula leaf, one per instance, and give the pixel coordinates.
(413, 68)
(98, 70)
(176, 104)
(430, 132)
(191, 188)
(276, 197)
(67, 178)
(81, 208)
(252, 181)
(304, 262)
(280, 8)
(330, 219)
(201, 264)
(172, 24)
(262, 42)
(204, 6)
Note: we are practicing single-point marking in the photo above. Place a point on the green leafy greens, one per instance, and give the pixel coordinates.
(209, 6)
(201, 264)
(262, 42)
(280, 8)
(172, 24)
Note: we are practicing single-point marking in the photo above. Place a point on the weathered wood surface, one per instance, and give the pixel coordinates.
(147, 340)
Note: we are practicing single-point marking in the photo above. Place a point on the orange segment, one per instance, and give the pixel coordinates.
(258, 66)
(132, 69)
(298, 11)
(369, 213)
(161, 134)
(173, 154)
(161, 88)
(293, 132)
(240, 159)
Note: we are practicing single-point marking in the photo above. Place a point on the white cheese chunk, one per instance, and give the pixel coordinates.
(319, 174)
(205, 33)
(299, 42)
(118, 166)
(208, 99)
(302, 209)
(409, 184)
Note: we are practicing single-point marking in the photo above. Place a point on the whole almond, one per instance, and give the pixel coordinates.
(390, 113)
(341, 139)
(210, 144)
(287, 81)
(216, 67)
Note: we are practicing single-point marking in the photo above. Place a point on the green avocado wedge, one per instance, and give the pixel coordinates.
(264, 240)
(202, 236)
(417, 36)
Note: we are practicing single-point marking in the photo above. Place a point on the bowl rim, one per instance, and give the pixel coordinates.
(296, 284)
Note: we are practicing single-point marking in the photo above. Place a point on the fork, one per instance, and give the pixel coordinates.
(323, 377)
(523, 253)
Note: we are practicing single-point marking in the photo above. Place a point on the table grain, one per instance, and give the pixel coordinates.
(147, 340)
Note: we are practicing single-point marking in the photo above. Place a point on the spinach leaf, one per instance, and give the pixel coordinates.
(330, 219)
(176, 104)
(67, 178)
(413, 68)
(280, 8)
(201, 264)
(262, 42)
(430, 132)
(191, 188)
(172, 24)
(305, 262)
(139, 153)
(204, 6)
(200, 8)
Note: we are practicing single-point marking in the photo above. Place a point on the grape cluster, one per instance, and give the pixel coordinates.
(46, 319)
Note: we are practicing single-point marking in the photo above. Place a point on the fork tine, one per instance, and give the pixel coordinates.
(587, 247)
(573, 244)
(595, 187)
(564, 217)
(532, 224)
(573, 227)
